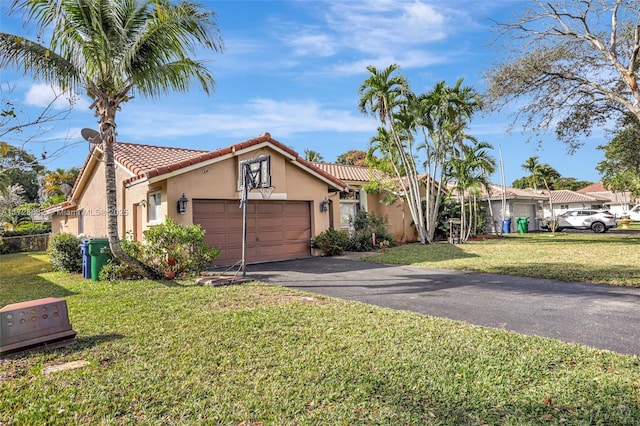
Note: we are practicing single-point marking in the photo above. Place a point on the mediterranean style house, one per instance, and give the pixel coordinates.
(204, 187)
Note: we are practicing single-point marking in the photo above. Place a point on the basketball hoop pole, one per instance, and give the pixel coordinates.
(245, 198)
(256, 174)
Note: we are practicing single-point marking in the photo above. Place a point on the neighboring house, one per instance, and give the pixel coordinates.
(151, 180)
(619, 202)
(517, 203)
(357, 198)
(534, 205)
(565, 199)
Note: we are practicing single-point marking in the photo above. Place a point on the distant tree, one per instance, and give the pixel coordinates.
(620, 170)
(572, 184)
(521, 183)
(532, 165)
(353, 157)
(10, 202)
(311, 155)
(58, 182)
(574, 65)
(540, 175)
(17, 166)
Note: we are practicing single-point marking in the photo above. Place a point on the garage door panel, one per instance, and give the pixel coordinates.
(271, 222)
(270, 236)
(270, 208)
(276, 230)
(295, 235)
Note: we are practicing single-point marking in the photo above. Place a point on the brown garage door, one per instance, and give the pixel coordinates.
(276, 230)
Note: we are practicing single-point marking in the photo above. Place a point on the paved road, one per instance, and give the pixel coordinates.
(600, 316)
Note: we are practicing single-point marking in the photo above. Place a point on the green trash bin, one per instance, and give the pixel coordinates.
(98, 258)
(523, 225)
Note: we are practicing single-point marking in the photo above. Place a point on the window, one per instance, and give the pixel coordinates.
(154, 210)
(348, 212)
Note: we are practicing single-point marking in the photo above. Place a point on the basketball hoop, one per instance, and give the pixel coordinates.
(266, 192)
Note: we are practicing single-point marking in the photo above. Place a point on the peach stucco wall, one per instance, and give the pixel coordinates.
(398, 221)
(219, 181)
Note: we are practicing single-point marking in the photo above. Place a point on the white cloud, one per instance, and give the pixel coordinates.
(386, 26)
(313, 44)
(280, 118)
(44, 95)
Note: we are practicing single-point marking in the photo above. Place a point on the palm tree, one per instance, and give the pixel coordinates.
(442, 115)
(380, 95)
(114, 49)
(470, 174)
(532, 166)
(311, 155)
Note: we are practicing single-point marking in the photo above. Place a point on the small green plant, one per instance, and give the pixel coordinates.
(331, 242)
(64, 253)
(367, 225)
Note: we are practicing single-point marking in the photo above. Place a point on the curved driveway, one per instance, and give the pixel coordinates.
(600, 316)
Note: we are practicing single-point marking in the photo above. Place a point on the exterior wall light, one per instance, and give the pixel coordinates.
(324, 206)
(182, 204)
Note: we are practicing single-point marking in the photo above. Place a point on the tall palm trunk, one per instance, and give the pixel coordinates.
(107, 110)
(413, 195)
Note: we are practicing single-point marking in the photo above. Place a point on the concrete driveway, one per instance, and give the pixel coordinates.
(599, 316)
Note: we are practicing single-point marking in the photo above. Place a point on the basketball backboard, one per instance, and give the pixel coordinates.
(256, 172)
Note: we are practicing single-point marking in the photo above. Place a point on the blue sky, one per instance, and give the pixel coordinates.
(293, 69)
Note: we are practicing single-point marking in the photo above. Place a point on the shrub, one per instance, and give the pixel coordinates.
(365, 225)
(64, 253)
(115, 270)
(181, 249)
(331, 242)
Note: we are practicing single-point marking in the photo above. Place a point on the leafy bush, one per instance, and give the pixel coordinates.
(64, 253)
(331, 242)
(181, 249)
(168, 247)
(115, 270)
(365, 225)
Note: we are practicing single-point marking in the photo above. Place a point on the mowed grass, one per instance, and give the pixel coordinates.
(610, 258)
(254, 354)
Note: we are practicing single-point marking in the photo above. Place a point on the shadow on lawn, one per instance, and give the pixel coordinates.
(81, 343)
(30, 286)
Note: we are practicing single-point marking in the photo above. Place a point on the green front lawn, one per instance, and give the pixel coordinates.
(174, 353)
(604, 258)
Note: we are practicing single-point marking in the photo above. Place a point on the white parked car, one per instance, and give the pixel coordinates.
(634, 213)
(597, 220)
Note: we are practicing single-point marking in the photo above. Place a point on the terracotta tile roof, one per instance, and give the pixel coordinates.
(566, 196)
(147, 161)
(596, 187)
(495, 192)
(350, 173)
(599, 190)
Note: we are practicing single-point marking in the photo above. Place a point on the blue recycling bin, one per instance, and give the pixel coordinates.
(86, 258)
(506, 225)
